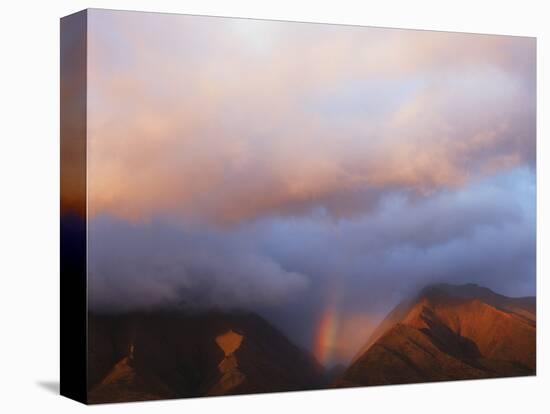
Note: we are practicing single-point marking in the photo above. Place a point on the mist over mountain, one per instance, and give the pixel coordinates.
(291, 270)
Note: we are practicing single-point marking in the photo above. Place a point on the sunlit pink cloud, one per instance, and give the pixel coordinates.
(228, 120)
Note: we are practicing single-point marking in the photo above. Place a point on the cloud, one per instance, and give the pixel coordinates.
(279, 167)
(73, 115)
(162, 264)
(290, 268)
(231, 120)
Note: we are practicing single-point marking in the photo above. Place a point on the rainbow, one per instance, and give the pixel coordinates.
(326, 334)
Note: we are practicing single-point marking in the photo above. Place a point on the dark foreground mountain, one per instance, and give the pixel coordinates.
(143, 356)
(449, 333)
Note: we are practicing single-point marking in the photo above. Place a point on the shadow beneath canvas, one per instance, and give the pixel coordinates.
(50, 386)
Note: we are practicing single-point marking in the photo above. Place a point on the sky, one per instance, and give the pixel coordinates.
(315, 174)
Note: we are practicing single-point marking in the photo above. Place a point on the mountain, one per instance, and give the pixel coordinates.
(158, 355)
(445, 332)
(449, 332)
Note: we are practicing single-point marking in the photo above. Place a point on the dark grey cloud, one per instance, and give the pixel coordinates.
(288, 268)
(169, 264)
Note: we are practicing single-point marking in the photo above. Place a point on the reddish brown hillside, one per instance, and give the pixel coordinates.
(448, 333)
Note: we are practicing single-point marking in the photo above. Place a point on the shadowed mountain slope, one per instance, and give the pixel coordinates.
(143, 356)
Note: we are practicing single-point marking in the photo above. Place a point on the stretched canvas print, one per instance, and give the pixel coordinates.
(253, 206)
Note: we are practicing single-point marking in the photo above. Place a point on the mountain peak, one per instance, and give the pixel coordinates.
(449, 332)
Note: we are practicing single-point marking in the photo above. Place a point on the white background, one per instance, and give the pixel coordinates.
(29, 192)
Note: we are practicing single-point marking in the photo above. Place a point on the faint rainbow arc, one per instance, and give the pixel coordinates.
(326, 333)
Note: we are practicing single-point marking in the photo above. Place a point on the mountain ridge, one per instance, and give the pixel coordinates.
(449, 332)
(444, 332)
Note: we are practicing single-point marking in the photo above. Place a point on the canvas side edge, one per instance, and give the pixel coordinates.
(73, 214)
